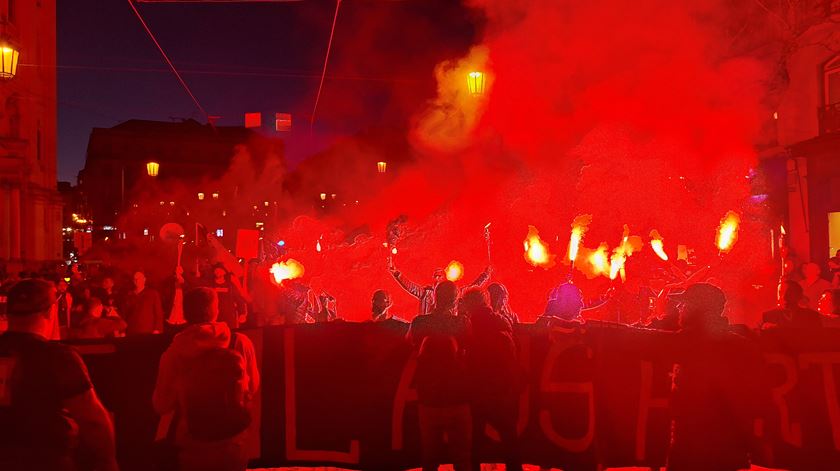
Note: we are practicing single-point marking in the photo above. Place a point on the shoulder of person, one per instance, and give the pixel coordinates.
(241, 342)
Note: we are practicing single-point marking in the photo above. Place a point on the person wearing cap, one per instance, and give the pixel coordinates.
(49, 411)
(716, 389)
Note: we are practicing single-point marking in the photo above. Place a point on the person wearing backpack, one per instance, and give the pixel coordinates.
(50, 415)
(440, 339)
(206, 381)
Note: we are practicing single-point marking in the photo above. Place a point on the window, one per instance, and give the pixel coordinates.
(13, 113)
(831, 80)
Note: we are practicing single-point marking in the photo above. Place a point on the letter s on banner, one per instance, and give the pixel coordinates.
(575, 445)
(292, 451)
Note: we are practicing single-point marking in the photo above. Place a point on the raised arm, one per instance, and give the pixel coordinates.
(409, 286)
(484, 277)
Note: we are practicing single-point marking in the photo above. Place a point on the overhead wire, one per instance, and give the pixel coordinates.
(169, 62)
(324, 71)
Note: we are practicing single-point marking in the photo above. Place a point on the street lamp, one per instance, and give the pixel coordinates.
(8, 61)
(152, 168)
(381, 167)
(475, 83)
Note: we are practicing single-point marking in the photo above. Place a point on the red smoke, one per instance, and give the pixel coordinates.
(635, 113)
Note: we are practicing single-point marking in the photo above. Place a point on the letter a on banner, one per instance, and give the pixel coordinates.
(293, 453)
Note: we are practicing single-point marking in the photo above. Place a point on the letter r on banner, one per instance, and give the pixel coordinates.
(293, 453)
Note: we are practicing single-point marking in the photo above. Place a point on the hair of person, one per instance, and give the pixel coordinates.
(30, 296)
(446, 294)
(475, 296)
(198, 304)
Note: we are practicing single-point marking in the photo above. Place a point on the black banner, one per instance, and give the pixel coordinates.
(342, 394)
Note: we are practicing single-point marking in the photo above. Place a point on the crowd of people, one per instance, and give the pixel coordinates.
(467, 375)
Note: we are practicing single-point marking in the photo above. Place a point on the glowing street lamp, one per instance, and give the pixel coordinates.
(381, 167)
(152, 168)
(8, 61)
(475, 83)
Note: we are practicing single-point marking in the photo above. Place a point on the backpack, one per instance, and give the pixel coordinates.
(215, 398)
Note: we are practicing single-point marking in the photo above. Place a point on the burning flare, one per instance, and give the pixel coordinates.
(288, 270)
(599, 260)
(536, 251)
(629, 245)
(728, 232)
(656, 245)
(579, 227)
(454, 271)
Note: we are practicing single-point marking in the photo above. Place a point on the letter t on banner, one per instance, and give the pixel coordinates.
(293, 453)
(646, 403)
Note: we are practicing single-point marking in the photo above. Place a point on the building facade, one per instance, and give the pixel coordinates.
(808, 129)
(30, 206)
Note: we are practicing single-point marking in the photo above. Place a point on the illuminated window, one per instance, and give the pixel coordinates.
(282, 122)
(201, 196)
(220, 232)
(146, 232)
(215, 195)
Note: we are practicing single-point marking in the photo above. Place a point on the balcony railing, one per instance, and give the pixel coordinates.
(829, 119)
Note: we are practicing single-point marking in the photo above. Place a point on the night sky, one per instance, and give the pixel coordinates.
(241, 58)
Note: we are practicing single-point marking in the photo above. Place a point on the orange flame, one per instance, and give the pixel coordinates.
(728, 231)
(454, 271)
(782, 227)
(599, 260)
(288, 270)
(629, 245)
(657, 246)
(579, 227)
(536, 251)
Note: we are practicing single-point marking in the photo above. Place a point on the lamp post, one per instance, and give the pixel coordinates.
(152, 168)
(8, 61)
(475, 83)
(381, 167)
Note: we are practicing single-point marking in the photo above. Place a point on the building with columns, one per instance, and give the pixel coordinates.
(30, 206)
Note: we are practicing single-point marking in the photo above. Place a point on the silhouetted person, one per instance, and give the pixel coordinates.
(94, 324)
(203, 333)
(142, 309)
(813, 284)
(426, 294)
(565, 303)
(494, 375)
(232, 306)
(715, 388)
(50, 416)
(440, 339)
(380, 306)
(500, 302)
(791, 313)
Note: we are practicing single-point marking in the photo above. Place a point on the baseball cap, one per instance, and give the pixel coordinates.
(30, 296)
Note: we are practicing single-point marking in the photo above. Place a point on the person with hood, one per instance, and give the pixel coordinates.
(203, 333)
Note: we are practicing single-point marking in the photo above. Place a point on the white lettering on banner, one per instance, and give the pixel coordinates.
(576, 445)
(646, 403)
(405, 394)
(827, 360)
(522, 417)
(293, 453)
(791, 432)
